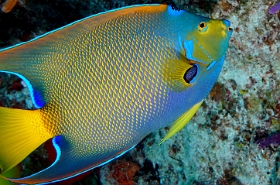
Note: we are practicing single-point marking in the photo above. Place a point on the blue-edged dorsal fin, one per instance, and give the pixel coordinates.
(41, 60)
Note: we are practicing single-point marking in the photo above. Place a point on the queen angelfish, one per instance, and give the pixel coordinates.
(103, 83)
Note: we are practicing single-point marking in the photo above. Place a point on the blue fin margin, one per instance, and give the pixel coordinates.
(60, 145)
(36, 96)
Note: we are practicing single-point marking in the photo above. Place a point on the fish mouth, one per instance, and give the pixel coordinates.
(228, 28)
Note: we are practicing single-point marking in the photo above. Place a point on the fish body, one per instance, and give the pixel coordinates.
(100, 85)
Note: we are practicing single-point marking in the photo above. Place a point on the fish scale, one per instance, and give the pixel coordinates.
(119, 93)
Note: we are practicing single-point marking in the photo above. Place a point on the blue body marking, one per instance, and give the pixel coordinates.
(36, 97)
(57, 149)
(173, 12)
(211, 65)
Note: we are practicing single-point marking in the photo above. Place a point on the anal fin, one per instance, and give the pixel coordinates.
(69, 162)
(181, 122)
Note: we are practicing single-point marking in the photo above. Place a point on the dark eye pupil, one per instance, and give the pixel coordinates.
(202, 25)
(191, 74)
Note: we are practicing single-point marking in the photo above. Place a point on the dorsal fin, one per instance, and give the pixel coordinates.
(39, 61)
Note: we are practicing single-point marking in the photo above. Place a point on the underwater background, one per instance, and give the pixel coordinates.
(234, 136)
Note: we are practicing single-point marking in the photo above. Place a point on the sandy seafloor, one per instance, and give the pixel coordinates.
(218, 145)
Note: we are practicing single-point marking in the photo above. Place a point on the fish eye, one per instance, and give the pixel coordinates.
(191, 74)
(202, 26)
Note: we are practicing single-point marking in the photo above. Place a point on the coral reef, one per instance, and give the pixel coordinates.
(120, 172)
(219, 145)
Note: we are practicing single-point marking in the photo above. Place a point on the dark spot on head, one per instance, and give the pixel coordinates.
(190, 74)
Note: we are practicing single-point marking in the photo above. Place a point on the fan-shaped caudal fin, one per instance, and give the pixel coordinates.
(21, 132)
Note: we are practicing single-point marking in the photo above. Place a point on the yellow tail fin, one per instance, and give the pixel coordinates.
(21, 132)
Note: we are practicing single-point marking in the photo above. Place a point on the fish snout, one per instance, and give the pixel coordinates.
(227, 24)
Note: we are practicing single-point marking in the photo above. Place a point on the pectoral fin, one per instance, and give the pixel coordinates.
(181, 121)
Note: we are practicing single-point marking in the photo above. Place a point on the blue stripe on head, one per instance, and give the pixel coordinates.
(188, 45)
(226, 22)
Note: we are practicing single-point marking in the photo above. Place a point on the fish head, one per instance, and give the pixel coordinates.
(202, 45)
(206, 40)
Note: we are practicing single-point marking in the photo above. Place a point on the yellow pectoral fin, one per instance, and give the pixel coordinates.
(173, 73)
(181, 121)
(21, 132)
